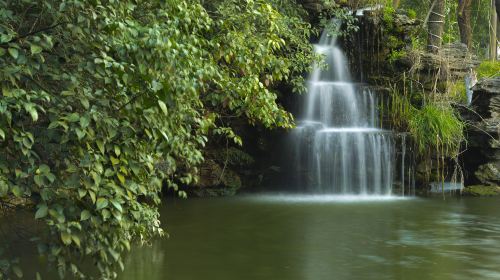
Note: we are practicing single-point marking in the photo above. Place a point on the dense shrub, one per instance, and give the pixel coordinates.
(105, 101)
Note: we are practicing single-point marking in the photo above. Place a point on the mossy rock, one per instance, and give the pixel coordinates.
(215, 180)
(10, 204)
(482, 190)
(488, 174)
(212, 192)
(231, 179)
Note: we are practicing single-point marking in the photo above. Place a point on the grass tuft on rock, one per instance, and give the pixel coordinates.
(437, 126)
(488, 69)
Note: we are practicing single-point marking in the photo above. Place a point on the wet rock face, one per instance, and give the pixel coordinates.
(215, 180)
(315, 6)
(482, 158)
(489, 174)
(486, 102)
(312, 5)
(379, 38)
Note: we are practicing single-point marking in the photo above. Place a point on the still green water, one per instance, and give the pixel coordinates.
(322, 237)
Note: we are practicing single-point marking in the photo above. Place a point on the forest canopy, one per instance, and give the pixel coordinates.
(103, 103)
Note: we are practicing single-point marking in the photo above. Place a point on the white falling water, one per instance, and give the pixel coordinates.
(339, 147)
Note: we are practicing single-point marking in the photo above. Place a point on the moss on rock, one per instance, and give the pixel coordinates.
(482, 190)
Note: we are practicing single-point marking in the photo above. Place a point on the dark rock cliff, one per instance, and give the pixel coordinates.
(482, 157)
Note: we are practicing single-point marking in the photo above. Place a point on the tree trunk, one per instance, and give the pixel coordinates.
(436, 26)
(493, 31)
(463, 18)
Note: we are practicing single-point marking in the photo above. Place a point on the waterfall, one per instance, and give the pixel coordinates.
(339, 147)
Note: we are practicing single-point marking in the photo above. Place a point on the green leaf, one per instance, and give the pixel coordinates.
(38, 180)
(44, 168)
(163, 107)
(27, 143)
(121, 178)
(73, 117)
(114, 253)
(126, 243)
(14, 53)
(84, 215)
(2, 134)
(85, 103)
(106, 214)
(109, 172)
(17, 271)
(82, 192)
(41, 212)
(79, 133)
(16, 190)
(35, 49)
(101, 203)
(117, 150)
(117, 205)
(92, 196)
(84, 121)
(33, 113)
(114, 160)
(76, 240)
(51, 177)
(53, 125)
(96, 177)
(143, 190)
(66, 238)
(4, 188)
(100, 145)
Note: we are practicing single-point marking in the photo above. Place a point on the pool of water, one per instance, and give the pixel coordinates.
(313, 237)
(323, 237)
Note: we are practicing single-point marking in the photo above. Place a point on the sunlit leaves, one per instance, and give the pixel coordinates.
(163, 107)
(66, 238)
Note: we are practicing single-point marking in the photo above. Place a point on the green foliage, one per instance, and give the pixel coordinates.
(457, 91)
(479, 22)
(437, 127)
(451, 29)
(388, 15)
(104, 102)
(488, 69)
(399, 109)
(412, 14)
(396, 55)
(344, 22)
(434, 127)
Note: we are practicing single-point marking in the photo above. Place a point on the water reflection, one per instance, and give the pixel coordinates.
(252, 238)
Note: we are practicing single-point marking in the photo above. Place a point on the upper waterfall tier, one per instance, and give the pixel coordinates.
(332, 98)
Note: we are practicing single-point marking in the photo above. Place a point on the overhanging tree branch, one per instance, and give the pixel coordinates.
(33, 33)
